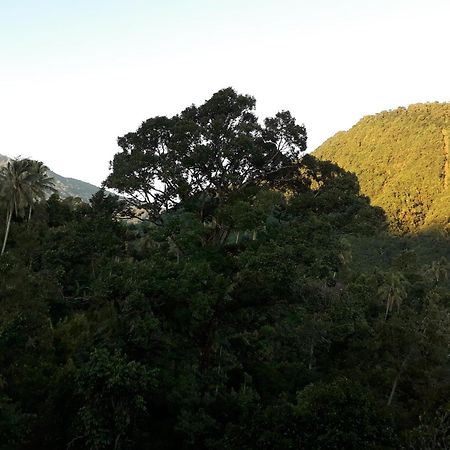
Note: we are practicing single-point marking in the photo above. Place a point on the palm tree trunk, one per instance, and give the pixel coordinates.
(8, 223)
(311, 355)
(394, 388)
(397, 378)
(388, 304)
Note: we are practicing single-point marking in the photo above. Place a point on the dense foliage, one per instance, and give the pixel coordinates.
(244, 310)
(66, 187)
(401, 159)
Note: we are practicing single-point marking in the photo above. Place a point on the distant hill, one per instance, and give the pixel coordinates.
(401, 159)
(67, 187)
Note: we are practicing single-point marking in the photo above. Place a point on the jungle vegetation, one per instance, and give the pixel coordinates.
(238, 294)
(66, 187)
(401, 159)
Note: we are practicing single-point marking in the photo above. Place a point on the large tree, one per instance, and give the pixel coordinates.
(205, 155)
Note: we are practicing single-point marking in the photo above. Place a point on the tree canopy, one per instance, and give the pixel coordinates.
(206, 154)
(263, 305)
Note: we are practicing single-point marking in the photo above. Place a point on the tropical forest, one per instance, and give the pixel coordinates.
(227, 289)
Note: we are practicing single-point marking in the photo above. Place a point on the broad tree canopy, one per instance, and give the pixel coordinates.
(207, 152)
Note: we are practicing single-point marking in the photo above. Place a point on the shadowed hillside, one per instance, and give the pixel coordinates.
(401, 159)
(67, 187)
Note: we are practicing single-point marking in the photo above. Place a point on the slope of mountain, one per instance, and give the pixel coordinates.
(71, 187)
(401, 159)
(67, 187)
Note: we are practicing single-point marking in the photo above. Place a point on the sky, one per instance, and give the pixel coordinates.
(75, 75)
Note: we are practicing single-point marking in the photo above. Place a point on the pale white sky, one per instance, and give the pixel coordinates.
(74, 75)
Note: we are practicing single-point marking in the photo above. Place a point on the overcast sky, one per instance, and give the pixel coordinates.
(76, 74)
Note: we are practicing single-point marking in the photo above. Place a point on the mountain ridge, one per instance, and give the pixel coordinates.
(66, 186)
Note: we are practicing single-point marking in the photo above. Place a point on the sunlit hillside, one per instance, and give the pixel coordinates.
(401, 158)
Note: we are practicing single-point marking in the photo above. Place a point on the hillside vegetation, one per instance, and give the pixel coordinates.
(66, 187)
(401, 159)
(259, 304)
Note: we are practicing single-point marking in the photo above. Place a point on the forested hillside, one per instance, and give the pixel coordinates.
(66, 187)
(401, 159)
(257, 303)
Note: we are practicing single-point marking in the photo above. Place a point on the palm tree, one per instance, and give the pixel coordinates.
(22, 181)
(394, 290)
(438, 270)
(40, 184)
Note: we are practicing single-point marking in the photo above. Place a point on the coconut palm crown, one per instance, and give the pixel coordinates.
(22, 182)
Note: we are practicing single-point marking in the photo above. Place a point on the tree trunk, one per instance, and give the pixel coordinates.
(397, 378)
(394, 388)
(8, 223)
(224, 235)
(311, 355)
(117, 441)
(388, 306)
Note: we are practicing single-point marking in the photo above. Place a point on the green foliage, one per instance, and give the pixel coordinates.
(262, 306)
(66, 187)
(13, 424)
(342, 414)
(22, 182)
(205, 155)
(113, 394)
(401, 158)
